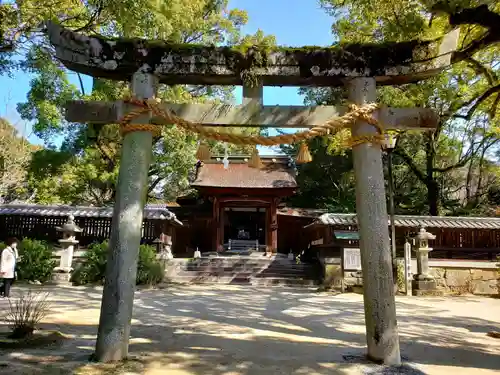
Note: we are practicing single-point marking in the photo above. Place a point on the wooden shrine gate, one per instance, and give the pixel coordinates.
(146, 64)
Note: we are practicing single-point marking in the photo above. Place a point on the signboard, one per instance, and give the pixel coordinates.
(352, 259)
(317, 242)
(408, 275)
(346, 235)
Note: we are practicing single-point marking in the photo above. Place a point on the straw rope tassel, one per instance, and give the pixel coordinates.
(255, 161)
(304, 156)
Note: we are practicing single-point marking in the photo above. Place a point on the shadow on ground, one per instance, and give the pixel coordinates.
(233, 330)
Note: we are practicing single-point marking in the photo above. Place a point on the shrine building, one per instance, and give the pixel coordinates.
(237, 206)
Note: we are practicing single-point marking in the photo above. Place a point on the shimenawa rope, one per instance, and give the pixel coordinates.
(332, 125)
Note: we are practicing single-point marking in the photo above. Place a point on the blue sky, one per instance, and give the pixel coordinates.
(293, 22)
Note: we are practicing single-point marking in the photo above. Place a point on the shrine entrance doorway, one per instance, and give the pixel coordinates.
(242, 224)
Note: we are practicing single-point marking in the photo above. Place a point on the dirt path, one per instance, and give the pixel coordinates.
(229, 330)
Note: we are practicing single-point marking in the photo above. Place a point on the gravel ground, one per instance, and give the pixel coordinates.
(233, 330)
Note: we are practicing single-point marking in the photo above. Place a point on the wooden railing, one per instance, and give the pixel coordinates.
(239, 246)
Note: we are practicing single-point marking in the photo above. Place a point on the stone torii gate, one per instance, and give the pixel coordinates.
(146, 63)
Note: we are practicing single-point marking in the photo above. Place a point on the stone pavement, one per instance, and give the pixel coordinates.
(235, 330)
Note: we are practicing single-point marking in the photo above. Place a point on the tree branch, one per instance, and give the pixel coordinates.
(493, 109)
(459, 164)
(154, 184)
(81, 83)
(492, 90)
(102, 149)
(95, 15)
(410, 163)
(480, 15)
(481, 69)
(153, 171)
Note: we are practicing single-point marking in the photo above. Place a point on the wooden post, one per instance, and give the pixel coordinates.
(119, 287)
(216, 224)
(274, 225)
(378, 289)
(222, 213)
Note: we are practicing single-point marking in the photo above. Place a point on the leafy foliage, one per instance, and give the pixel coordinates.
(36, 261)
(329, 178)
(84, 169)
(451, 170)
(93, 268)
(15, 153)
(149, 270)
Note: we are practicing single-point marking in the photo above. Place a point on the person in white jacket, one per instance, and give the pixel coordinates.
(7, 266)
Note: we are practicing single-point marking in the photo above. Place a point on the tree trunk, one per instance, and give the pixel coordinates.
(433, 197)
(468, 183)
(430, 181)
(479, 187)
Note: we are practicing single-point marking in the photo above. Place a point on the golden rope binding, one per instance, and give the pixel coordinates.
(329, 127)
(304, 156)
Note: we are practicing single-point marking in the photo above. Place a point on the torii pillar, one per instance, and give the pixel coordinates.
(121, 268)
(376, 259)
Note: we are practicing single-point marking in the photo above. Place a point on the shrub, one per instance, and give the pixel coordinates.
(26, 312)
(400, 276)
(149, 270)
(94, 265)
(36, 261)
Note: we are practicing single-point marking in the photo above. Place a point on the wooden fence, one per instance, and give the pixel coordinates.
(456, 243)
(44, 228)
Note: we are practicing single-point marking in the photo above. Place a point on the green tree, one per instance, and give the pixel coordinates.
(91, 153)
(15, 155)
(466, 96)
(329, 179)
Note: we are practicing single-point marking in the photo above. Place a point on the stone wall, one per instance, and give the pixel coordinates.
(481, 281)
(480, 278)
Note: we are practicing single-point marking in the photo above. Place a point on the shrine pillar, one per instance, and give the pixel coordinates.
(217, 225)
(378, 293)
(272, 227)
(121, 269)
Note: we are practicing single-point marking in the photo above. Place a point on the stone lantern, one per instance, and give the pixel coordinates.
(423, 283)
(68, 242)
(164, 247)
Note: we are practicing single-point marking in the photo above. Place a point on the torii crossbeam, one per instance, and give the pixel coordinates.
(357, 66)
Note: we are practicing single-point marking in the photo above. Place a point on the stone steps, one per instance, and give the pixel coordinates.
(231, 274)
(267, 281)
(249, 271)
(281, 281)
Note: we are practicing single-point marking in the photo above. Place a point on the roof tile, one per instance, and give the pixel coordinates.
(276, 173)
(456, 222)
(156, 211)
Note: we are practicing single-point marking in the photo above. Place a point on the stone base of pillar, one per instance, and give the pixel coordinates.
(425, 288)
(61, 277)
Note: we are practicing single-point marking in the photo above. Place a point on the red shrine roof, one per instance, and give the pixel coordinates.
(277, 173)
